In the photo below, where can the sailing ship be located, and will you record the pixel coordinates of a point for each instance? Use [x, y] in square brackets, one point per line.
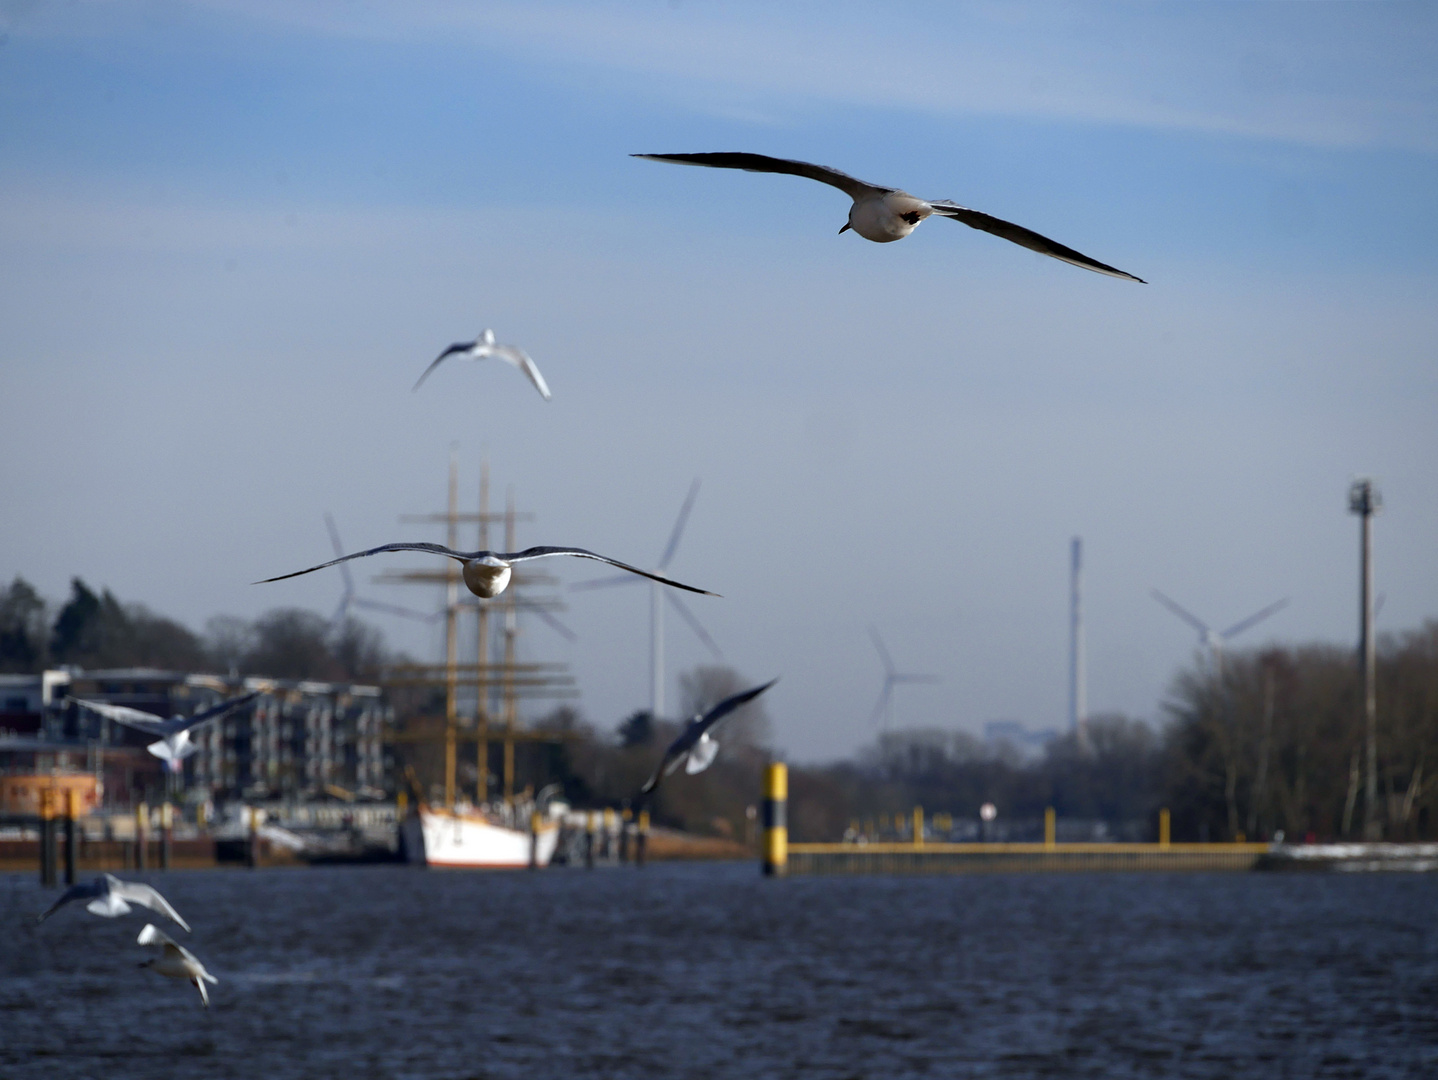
[501, 833]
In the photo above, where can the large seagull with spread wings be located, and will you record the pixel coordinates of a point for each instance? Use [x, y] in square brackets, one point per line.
[884, 214]
[487, 573]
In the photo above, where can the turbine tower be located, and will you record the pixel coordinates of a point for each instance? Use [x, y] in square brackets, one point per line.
[657, 595]
[1215, 640]
[1078, 689]
[892, 678]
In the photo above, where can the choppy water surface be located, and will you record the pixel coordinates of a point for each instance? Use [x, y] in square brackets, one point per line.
[709, 971]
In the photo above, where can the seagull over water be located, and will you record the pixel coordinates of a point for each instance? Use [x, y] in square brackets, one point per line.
[484, 347]
[694, 748]
[111, 897]
[176, 961]
[487, 573]
[885, 214]
[174, 733]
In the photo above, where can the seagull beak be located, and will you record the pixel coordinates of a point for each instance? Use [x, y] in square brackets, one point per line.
[844, 229]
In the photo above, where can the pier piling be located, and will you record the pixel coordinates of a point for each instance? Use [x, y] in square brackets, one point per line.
[72, 811]
[775, 819]
[1050, 829]
[1163, 828]
[641, 839]
[167, 833]
[47, 837]
[142, 835]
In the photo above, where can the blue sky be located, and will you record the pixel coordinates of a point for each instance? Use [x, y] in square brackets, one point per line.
[233, 234]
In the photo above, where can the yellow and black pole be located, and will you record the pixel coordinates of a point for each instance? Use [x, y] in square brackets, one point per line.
[776, 819]
[1050, 829]
[1163, 828]
[641, 840]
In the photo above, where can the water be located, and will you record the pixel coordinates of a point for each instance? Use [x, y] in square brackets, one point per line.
[709, 971]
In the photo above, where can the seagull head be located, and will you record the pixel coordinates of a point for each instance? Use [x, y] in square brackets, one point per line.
[486, 576]
[487, 338]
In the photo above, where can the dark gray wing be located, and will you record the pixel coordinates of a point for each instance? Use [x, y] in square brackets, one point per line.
[432, 549]
[728, 705]
[86, 890]
[1026, 238]
[850, 186]
[215, 711]
[581, 553]
[691, 733]
[457, 347]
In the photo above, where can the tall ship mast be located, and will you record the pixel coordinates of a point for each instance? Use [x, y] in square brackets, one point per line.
[481, 707]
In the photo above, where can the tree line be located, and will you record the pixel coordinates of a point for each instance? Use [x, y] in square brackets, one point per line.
[97, 631]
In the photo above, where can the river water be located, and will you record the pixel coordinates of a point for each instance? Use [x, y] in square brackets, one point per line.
[710, 971]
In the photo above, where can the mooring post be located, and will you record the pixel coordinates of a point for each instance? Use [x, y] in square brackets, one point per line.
[626, 826]
[167, 833]
[1050, 829]
[776, 819]
[1163, 824]
[142, 835]
[918, 826]
[534, 820]
[609, 834]
[641, 841]
[47, 837]
[589, 825]
[252, 842]
[72, 811]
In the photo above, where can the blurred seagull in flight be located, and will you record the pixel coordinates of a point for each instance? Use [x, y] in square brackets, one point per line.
[884, 214]
[111, 897]
[174, 733]
[487, 573]
[484, 347]
[694, 748]
[176, 961]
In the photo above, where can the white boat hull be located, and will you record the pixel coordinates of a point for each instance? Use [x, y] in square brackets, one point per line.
[458, 839]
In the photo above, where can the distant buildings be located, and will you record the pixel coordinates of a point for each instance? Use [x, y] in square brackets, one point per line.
[298, 739]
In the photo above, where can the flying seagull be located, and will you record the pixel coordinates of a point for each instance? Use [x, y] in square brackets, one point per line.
[486, 573]
[884, 214]
[694, 749]
[174, 733]
[176, 961]
[111, 897]
[484, 347]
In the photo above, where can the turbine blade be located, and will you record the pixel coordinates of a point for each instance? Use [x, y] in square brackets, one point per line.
[604, 583]
[1257, 617]
[555, 625]
[1187, 616]
[883, 652]
[339, 552]
[693, 621]
[679, 524]
[395, 609]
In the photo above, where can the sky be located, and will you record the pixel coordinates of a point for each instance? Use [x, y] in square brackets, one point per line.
[232, 236]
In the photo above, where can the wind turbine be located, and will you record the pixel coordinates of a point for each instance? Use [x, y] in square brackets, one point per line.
[657, 595]
[348, 597]
[1215, 640]
[892, 678]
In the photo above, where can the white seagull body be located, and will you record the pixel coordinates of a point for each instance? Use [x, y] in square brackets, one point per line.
[482, 348]
[487, 573]
[111, 898]
[695, 748]
[176, 961]
[885, 214]
[174, 733]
